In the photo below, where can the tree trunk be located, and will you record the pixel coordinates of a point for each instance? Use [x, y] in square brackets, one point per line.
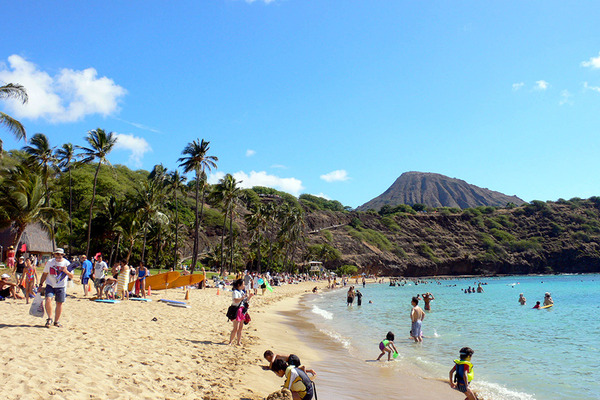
[89, 233]
[20, 231]
[176, 232]
[196, 228]
[117, 250]
[70, 213]
[223, 237]
[259, 255]
[144, 246]
[231, 238]
[130, 250]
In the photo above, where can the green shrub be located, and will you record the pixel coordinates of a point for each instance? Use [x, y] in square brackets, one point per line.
[373, 237]
[525, 245]
[426, 252]
[491, 223]
[390, 223]
[502, 236]
[327, 235]
[581, 237]
[399, 251]
[347, 270]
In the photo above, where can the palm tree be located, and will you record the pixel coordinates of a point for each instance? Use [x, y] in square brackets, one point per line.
[65, 156]
[257, 221]
[101, 144]
[176, 184]
[42, 155]
[22, 199]
[226, 192]
[197, 161]
[149, 202]
[18, 92]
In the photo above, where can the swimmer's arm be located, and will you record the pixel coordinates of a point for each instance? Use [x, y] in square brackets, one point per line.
[452, 385]
[43, 278]
[394, 347]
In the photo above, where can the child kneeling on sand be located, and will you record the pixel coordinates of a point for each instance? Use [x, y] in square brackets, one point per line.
[296, 380]
[463, 373]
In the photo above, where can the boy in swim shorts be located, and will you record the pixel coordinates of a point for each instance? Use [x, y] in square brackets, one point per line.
[463, 373]
[417, 315]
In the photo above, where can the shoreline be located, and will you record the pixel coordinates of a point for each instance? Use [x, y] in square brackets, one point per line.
[287, 332]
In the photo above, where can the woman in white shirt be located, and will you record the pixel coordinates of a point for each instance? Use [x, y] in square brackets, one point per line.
[239, 296]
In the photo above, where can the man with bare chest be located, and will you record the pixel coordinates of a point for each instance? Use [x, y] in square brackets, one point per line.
[417, 315]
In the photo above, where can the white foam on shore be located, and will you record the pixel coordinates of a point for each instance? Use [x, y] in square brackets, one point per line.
[345, 342]
[490, 390]
[323, 313]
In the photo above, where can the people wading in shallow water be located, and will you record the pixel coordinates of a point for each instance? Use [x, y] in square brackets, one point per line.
[522, 299]
[548, 299]
[427, 297]
[351, 295]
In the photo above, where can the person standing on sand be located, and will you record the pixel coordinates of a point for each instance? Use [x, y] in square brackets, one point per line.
[522, 299]
[427, 297]
[86, 273]
[10, 258]
[55, 276]
[239, 299]
[417, 315]
[99, 277]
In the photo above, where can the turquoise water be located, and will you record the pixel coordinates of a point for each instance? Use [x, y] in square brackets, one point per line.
[520, 353]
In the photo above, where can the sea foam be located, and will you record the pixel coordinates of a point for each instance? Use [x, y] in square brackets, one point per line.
[323, 313]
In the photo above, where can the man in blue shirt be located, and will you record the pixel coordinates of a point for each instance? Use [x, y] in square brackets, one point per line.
[86, 273]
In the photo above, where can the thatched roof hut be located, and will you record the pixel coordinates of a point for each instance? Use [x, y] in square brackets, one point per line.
[35, 237]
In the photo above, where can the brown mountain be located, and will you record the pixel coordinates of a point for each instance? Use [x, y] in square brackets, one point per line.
[437, 190]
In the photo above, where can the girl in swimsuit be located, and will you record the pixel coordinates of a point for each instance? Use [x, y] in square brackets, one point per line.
[31, 279]
[140, 284]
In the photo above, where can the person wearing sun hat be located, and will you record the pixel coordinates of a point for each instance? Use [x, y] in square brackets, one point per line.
[54, 276]
[8, 289]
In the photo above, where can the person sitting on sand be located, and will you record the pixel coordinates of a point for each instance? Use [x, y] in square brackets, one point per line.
[8, 289]
[463, 373]
[522, 299]
[296, 380]
[548, 299]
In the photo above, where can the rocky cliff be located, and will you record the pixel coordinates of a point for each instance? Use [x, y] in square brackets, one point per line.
[535, 238]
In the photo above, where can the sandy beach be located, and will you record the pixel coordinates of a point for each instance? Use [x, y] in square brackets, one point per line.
[117, 351]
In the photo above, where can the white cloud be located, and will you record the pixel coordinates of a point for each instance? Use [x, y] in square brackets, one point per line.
[541, 85]
[565, 98]
[138, 146]
[323, 195]
[593, 62]
[517, 86]
[594, 88]
[139, 126]
[250, 153]
[66, 97]
[336, 176]
[279, 166]
[289, 185]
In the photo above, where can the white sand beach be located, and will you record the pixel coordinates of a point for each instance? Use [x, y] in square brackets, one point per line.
[117, 351]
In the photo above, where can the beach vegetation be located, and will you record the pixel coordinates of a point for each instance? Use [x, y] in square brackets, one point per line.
[17, 92]
[348, 270]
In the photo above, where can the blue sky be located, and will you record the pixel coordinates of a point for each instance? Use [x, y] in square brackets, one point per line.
[334, 98]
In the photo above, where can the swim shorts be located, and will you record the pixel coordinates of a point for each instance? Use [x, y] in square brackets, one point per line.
[84, 281]
[59, 294]
[416, 329]
[461, 387]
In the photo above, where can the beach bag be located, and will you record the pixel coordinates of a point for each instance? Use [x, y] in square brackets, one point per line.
[37, 306]
[232, 312]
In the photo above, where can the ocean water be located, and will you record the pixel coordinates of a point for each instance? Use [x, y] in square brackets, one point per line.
[520, 353]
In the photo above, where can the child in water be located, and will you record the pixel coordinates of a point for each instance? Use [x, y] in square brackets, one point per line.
[386, 346]
[463, 373]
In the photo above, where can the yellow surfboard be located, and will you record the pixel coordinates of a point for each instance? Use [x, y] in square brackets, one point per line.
[548, 306]
[183, 280]
[157, 280]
